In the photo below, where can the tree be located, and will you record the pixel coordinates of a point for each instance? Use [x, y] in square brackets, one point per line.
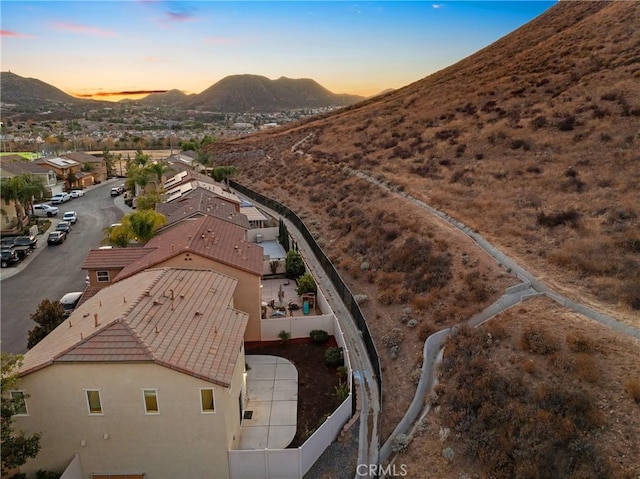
[109, 160]
[22, 189]
[142, 225]
[158, 169]
[48, 317]
[221, 173]
[141, 158]
[283, 235]
[148, 201]
[117, 236]
[16, 447]
[293, 264]
[306, 284]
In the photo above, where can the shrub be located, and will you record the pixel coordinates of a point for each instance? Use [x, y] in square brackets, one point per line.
[319, 336]
[552, 220]
[400, 443]
[306, 284]
[538, 341]
[341, 391]
[284, 336]
[294, 264]
[334, 356]
[273, 266]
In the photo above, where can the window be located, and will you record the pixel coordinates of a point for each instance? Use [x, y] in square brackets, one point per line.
[150, 397]
[18, 399]
[93, 401]
[206, 400]
[103, 276]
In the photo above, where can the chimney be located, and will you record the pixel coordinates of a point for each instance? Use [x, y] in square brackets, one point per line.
[95, 320]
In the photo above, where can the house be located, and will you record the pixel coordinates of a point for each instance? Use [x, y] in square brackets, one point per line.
[146, 379]
[185, 181]
[68, 171]
[198, 202]
[207, 243]
[16, 165]
[94, 166]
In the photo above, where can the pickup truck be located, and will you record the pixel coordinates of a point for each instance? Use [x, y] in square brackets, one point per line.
[22, 245]
[9, 257]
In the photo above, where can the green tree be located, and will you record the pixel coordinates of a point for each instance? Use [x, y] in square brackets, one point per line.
[158, 169]
[16, 447]
[48, 317]
[221, 173]
[306, 284]
[148, 201]
[22, 189]
[118, 236]
[109, 159]
[283, 235]
[142, 225]
[141, 158]
[293, 264]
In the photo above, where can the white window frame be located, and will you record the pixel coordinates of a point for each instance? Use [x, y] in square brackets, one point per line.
[86, 396]
[213, 397]
[144, 402]
[103, 274]
[24, 401]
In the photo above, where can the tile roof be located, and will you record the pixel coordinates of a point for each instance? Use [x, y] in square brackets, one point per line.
[177, 318]
[206, 236]
[198, 202]
[81, 157]
[113, 258]
[18, 166]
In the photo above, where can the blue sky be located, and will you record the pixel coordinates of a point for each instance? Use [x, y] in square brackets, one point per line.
[363, 48]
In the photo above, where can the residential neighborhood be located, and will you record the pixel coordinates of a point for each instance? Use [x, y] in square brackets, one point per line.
[148, 376]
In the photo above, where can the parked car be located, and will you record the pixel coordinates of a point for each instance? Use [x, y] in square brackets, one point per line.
[9, 257]
[21, 248]
[70, 301]
[63, 226]
[70, 216]
[26, 240]
[115, 191]
[76, 193]
[45, 210]
[60, 198]
[56, 237]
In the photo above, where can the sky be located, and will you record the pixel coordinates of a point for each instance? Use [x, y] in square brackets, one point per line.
[117, 49]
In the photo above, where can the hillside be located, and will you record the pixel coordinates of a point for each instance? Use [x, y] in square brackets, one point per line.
[532, 142]
[232, 94]
[242, 93]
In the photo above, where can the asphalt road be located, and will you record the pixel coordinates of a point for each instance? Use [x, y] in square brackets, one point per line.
[54, 270]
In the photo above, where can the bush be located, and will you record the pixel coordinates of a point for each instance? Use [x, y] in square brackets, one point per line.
[306, 284]
[284, 336]
[319, 336]
[538, 341]
[334, 356]
[294, 265]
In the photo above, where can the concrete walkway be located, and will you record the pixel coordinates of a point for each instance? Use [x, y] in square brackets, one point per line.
[271, 410]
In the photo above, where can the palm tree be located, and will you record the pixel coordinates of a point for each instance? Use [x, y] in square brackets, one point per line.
[158, 169]
[22, 189]
[143, 224]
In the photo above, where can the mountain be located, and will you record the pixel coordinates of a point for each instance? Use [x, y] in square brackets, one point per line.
[30, 93]
[242, 93]
[533, 143]
[233, 94]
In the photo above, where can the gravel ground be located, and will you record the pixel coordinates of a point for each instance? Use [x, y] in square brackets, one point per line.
[339, 460]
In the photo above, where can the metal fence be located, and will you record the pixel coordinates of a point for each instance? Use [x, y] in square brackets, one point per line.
[328, 268]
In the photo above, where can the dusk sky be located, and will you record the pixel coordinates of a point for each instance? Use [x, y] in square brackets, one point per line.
[88, 47]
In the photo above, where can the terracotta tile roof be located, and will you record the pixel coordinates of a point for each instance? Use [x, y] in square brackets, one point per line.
[81, 157]
[177, 318]
[113, 258]
[205, 236]
[20, 166]
[198, 202]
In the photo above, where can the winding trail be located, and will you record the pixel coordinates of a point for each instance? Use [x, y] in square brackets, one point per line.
[530, 287]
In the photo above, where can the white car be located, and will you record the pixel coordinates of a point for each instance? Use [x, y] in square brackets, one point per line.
[45, 210]
[60, 198]
[76, 193]
[70, 216]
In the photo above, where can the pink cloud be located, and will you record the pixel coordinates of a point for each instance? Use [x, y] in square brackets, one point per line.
[87, 29]
[9, 33]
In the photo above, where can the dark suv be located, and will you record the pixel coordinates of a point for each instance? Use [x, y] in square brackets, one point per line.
[9, 256]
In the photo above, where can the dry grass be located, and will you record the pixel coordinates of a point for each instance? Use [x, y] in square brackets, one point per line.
[533, 143]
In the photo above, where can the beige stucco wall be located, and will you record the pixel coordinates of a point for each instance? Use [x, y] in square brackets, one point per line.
[178, 442]
[247, 295]
[93, 277]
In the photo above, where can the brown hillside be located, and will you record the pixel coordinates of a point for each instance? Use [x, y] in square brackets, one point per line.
[532, 141]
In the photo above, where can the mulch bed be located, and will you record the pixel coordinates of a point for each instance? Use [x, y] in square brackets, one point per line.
[316, 381]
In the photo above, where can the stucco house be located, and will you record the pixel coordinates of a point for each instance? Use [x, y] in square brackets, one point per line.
[146, 379]
[199, 202]
[186, 181]
[68, 171]
[91, 165]
[16, 165]
[205, 242]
